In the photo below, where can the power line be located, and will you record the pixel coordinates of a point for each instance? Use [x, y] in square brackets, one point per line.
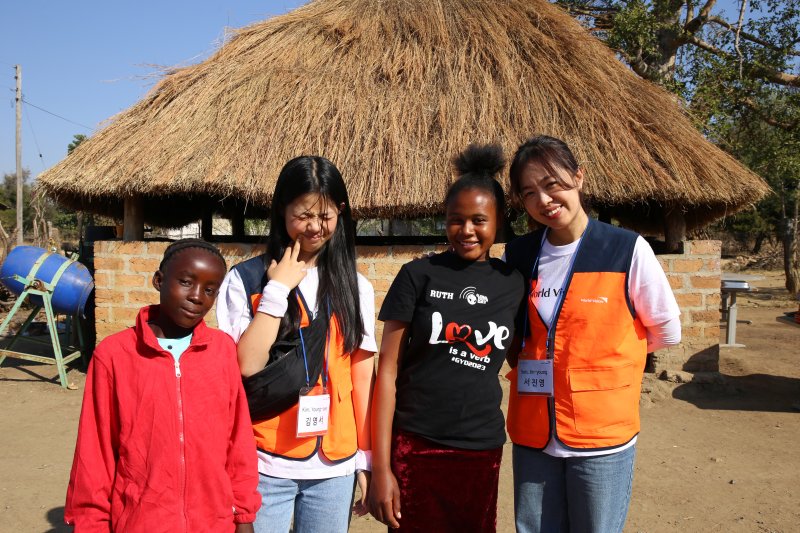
[35, 141]
[57, 115]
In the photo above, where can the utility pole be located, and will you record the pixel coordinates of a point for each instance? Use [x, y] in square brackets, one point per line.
[18, 77]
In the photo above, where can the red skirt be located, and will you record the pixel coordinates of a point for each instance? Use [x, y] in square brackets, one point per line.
[445, 489]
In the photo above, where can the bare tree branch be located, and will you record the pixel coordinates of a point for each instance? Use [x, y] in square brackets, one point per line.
[771, 75]
[752, 38]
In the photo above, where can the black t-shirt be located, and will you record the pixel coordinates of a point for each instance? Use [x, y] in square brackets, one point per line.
[461, 315]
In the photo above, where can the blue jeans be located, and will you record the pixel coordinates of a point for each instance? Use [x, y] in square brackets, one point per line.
[572, 494]
[318, 505]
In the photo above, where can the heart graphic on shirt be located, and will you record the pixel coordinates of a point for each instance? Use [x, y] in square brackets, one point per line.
[458, 333]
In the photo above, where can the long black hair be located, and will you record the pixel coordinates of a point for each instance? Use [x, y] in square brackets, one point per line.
[336, 261]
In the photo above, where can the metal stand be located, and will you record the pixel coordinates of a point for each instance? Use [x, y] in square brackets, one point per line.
[730, 310]
[37, 287]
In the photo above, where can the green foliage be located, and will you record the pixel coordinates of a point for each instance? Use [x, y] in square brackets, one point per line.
[77, 139]
[8, 196]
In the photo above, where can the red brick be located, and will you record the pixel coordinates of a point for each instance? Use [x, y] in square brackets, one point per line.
[689, 300]
[147, 265]
[706, 247]
[130, 280]
[125, 315]
[407, 253]
[705, 317]
[141, 297]
[691, 332]
[372, 251]
[154, 248]
[102, 314]
[109, 263]
[711, 332]
[121, 248]
[713, 299]
[675, 281]
[105, 296]
[383, 269]
[104, 330]
[363, 268]
[103, 279]
[382, 285]
[712, 265]
[687, 265]
[705, 282]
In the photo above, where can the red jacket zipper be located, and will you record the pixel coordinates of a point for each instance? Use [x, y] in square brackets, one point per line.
[182, 443]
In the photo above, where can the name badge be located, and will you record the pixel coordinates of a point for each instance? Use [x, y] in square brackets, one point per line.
[313, 412]
[535, 376]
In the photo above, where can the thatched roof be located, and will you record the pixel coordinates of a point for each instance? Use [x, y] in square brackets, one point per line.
[389, 90]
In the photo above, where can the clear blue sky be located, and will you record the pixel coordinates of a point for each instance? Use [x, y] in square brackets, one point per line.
[87, 60]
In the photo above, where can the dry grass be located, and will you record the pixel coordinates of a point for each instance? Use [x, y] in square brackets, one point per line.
[389, 90]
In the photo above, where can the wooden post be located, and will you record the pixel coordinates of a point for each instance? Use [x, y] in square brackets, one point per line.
[207, 225]
[237, 224]
[133, 221]
[20, 178]
[674, 228]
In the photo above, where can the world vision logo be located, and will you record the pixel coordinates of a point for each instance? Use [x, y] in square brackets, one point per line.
[597, 300]
[470, 294]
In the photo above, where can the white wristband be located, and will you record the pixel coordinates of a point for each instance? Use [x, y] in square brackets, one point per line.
[274, 299]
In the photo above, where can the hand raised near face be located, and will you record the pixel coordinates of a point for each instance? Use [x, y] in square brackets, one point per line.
[290, 271]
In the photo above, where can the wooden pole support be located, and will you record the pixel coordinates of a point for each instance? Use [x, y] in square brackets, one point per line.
[133, 222]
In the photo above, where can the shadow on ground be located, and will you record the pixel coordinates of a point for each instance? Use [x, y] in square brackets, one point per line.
[753, 392]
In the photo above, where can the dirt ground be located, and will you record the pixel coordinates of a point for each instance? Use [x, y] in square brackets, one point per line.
[722, 456]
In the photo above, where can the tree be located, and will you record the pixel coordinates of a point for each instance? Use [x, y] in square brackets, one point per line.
[737, 77]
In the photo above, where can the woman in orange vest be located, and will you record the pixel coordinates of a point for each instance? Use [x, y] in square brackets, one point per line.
[597, 302]
[309, 454]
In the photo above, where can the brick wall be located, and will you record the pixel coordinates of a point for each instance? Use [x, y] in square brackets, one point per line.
[123, 273]
[695, 280]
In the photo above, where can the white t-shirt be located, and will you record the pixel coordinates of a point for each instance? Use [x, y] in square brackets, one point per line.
[650, 294]
[233, 317]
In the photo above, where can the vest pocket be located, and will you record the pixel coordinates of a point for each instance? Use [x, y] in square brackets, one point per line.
[601, 397]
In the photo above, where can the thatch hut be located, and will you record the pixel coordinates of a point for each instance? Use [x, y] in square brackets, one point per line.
[390, 90]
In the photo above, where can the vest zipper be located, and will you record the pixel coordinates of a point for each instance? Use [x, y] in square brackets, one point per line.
[182, 444]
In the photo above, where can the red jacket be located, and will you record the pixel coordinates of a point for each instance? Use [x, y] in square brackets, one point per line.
[163, 446]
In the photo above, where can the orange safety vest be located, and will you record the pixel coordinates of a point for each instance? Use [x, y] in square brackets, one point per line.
[599, 348]
[278, 435]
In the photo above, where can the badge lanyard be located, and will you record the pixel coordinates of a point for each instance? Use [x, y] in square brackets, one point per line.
[535, 376]
[313, 411]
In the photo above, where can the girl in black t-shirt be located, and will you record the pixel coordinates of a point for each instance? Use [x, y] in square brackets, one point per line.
[437, 427]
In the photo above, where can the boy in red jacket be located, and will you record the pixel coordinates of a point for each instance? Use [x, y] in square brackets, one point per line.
[164, 440]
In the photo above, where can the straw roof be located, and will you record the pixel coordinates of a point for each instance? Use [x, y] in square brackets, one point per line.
[390, 90]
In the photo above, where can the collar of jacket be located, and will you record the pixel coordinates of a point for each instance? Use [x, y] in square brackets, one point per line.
[201, 335]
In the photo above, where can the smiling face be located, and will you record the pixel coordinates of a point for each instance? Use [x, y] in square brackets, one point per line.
[188, 286]
[554, 201]
[311, 218]
[471, 223]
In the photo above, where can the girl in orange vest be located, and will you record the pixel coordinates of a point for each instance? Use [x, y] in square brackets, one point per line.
[597, 302]
[449, 319]
[309, 454]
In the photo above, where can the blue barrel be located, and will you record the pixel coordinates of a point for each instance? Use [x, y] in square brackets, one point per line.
[71, 290]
